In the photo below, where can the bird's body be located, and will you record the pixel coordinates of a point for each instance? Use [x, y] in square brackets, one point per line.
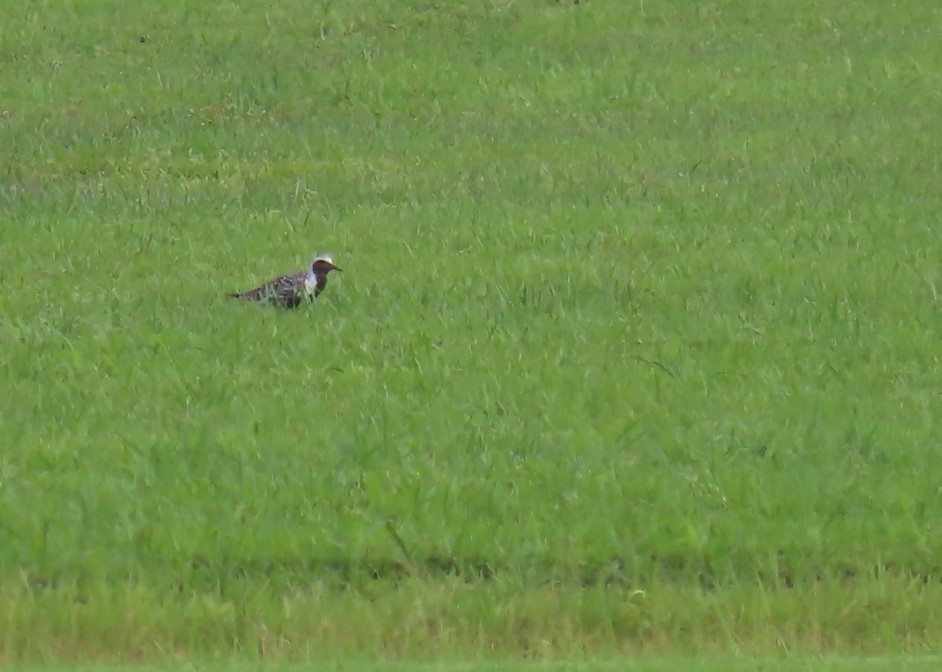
[289, 291]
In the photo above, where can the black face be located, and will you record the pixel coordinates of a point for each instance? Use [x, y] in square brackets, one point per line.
[323, 267]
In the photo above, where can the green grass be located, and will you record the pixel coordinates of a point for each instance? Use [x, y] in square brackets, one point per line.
[725, 664]
[639, 324]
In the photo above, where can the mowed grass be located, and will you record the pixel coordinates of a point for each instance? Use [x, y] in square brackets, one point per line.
[635, 348]
[711, 664]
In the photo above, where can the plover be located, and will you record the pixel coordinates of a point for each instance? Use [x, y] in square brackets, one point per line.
[289, 290]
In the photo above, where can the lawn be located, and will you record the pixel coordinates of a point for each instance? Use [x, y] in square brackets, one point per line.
[635, 350]
[723, 664]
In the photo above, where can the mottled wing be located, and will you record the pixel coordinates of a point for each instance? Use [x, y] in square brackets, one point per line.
[287, 291]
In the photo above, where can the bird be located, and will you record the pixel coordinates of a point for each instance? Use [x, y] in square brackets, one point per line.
[288, 291]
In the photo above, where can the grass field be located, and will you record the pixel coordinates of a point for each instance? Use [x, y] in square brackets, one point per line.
[636, 348]
[723, 664]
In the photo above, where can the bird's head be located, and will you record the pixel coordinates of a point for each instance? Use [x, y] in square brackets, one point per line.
[322, 265]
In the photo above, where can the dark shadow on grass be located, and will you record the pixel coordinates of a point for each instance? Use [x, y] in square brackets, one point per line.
[203, 574]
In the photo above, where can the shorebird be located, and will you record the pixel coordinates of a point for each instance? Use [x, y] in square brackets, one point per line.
[288, 291]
